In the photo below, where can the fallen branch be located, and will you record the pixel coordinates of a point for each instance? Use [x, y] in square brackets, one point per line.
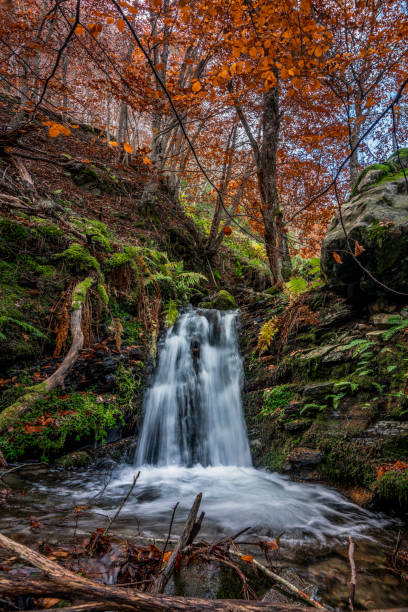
[124, 500]
[163, 578]
[10, 414]
[64, 583]
[289, 586]
[353, 574]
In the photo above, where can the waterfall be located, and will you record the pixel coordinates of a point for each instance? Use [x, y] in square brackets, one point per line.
[193, 410]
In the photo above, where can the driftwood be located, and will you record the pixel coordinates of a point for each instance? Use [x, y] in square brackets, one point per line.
[61, 582]
[185, 538]
[276, 578]
[10, 414]
[353, 574]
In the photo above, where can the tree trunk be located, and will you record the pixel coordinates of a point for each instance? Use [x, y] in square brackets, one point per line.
[278, 255]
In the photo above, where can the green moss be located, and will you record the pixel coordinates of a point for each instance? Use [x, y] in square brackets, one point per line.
[79, 293]
[102, 293]
[53, 421]
[79, 259]
[392, 487]
[222, 301]
[116, 260]
[386, 169]
[12, 231]
[276, 399]
[96, 231]
[388, 245]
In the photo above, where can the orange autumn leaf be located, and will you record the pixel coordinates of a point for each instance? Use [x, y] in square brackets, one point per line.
[167, 555]
[318, 52]
[113, 143]
[110, 20]
[227, 230]
[358, 248]
[337, 258]
[128, 148]
[247, 558]
[79, 30]
[120, 24]
[147, 161]
[196, 86]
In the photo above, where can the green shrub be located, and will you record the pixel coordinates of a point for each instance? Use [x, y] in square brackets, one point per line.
[392, 487]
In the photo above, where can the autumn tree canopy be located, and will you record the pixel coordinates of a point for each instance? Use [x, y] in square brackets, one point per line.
[251, 106]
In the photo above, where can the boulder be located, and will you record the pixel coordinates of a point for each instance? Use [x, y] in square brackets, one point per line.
[376, 217]
[303, 456]
[222, 300]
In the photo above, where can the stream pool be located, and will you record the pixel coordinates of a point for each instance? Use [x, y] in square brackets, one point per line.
[314, 521]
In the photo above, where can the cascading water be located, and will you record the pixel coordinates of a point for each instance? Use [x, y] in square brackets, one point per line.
[193, 412]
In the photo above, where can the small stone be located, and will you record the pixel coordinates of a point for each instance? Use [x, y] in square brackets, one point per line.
[374, 335]
[317, 389]
[303, 456]
[382, 319]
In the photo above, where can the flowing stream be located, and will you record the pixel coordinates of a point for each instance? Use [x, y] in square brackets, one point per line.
[193, 439]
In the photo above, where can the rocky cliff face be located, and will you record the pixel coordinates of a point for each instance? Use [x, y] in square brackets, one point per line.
[333, 404]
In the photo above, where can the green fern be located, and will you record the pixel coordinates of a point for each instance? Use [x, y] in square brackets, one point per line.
[4, 320]
[296, 286]
[397, 326]
[171, 313]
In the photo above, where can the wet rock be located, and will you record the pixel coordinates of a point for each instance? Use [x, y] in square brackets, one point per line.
[304, 457]
[297, 425]
[375, 335]
[321, 351]
[382, 319]
[74, 461]
[222, 300]
[388, 428]
[317, 390]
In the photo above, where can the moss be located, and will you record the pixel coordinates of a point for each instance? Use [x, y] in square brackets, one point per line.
[276, 399]
[222, 301]
[12, 231]
[96, 231]
[386, 169]
[116, 260]
[388, 245]
[78, 258]
[103, 294]
[392, 487]
[401, 154]
[79, 293]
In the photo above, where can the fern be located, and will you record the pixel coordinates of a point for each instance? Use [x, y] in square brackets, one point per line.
[397, 326]
[266, 335]
[171, 313]
[4, 320]
[296, 286]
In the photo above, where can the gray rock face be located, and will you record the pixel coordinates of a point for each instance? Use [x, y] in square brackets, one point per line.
[377, 218]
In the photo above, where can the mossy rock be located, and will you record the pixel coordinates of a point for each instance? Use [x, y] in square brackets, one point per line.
[375, 218]
[223, 300]
[392, 489]
[74, 461]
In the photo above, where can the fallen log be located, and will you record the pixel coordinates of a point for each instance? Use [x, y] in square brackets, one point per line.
[61, 582]
[10, 414]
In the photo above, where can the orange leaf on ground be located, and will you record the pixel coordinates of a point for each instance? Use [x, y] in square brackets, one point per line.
[247, 558]
[337, 258]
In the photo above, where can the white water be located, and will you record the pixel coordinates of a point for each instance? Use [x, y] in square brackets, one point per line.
[193, 411]
[194, 439]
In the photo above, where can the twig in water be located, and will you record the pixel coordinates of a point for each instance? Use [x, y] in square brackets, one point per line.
[124, 500]
[353, 574]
